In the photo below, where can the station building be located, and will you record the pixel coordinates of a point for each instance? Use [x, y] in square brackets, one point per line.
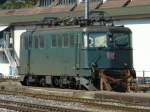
[130, 13]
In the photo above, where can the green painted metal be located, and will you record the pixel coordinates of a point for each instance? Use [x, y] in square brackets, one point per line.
[70, 61]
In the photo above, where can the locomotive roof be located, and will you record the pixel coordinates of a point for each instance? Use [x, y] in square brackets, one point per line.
[83, 29]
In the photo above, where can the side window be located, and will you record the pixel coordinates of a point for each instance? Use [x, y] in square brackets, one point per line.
[41, 41]
[33, 41]
[54, 41]
[26, 42]
[36, 41]
[66, 40]
[59, 37]
[72, 40]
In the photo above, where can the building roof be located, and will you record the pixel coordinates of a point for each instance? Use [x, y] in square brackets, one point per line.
[139, 2]
[34, 14]
[114, 3]
[119, 9]
[128, 12]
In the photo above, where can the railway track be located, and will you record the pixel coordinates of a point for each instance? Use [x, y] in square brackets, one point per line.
[103, 102]
[28, 107]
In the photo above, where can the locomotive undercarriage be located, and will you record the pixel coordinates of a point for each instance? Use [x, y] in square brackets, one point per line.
[59, 82]
[120, 80]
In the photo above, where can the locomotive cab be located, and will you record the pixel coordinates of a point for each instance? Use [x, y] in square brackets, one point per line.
[108, 52]
[109, 49]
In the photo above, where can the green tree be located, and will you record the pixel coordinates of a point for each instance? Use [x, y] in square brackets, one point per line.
[2, 1]
[12, 4]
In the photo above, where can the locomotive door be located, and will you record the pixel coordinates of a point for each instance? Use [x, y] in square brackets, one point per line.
[25, 54]
[28, 52]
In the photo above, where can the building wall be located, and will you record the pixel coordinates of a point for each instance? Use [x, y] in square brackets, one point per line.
[17, 33]
[4, 64]
[141, 44]
[46, 3]
[4, 69]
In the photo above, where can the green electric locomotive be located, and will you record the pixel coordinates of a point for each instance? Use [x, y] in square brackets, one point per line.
[92, 57]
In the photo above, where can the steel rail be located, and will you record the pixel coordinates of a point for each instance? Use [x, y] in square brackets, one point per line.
[28, 107]
[102, 102]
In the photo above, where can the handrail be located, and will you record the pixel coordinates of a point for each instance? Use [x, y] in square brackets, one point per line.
[1, 43]
[16, 58]
[7, 49]
[13, 61]
[8, 54]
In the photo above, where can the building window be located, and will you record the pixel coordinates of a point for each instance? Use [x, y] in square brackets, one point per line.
[68, 2]
[96, 0]
[4, 58]
[93, 1]
[44, 3]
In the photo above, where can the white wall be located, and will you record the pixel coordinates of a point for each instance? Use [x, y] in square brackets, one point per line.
[17, 33]
[105, 1]
[4, 69]
[141, 44]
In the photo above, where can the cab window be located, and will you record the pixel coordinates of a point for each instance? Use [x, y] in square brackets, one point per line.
[95, 39]
[119, 40]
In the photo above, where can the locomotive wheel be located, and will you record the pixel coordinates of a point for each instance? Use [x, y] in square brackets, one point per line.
[26, 81]
[55, 81]
[104, 83]
[134, 86]
[130, 83]
[42, 82]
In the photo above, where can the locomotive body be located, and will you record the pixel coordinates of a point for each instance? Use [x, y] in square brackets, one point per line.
[77, 57]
